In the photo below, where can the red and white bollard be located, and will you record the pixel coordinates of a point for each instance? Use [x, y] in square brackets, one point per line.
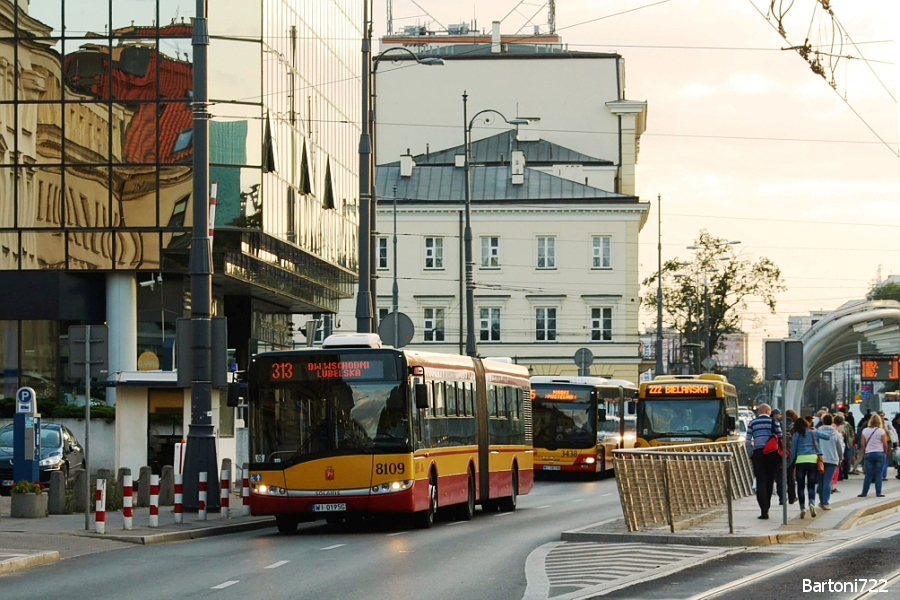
[100, 517]
[179, 498]
[225, 491]
[127, 497]
[154, 501]
[245, 494]
[201, 497]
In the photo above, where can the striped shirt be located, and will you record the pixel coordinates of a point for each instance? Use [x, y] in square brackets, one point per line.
[760, 430]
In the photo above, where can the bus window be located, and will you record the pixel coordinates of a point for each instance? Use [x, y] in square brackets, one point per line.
[451, 399]
[439, 399]
[492, 400]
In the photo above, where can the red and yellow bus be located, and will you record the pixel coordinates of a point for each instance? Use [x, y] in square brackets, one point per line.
[353, 429]
[681, 409]
[571, 415]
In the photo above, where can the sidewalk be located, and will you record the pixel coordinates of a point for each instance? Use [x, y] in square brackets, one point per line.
[846, 511]
[29, 542]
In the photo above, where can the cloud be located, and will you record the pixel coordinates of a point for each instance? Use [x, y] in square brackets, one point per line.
[750, 83]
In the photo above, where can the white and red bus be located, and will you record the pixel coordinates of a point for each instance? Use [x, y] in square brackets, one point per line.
[353, 429]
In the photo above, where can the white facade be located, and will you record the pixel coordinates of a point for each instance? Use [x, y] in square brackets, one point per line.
[732, 350]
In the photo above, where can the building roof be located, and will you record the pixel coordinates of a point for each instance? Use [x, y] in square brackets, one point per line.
[497, 149]
[483, 51]
[445, 183]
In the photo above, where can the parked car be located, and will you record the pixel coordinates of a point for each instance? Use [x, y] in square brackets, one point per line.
[60, 451]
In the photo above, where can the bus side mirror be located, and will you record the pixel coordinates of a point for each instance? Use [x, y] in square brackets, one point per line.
[235, 392]
[421, 392]
[601, 415]
[730, 423]
[632, 408]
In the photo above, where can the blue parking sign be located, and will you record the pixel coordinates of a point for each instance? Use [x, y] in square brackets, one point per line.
[25, 398]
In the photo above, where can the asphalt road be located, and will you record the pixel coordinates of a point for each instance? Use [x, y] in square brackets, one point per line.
[482, 559]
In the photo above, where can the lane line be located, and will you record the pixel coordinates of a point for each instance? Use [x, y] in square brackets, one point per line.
[503, 514]
[333, 547]
[457, 523]
[602, 495]
[579, 500]
[397, 533]
[544, 506]
[278, 564]
[223, 585]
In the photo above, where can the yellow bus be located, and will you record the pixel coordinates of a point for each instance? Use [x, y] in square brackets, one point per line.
[354, 429]
[572, 416]
[680, 409]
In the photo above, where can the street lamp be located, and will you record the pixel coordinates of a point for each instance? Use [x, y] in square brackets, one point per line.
[659, 294]
[365, 308]
[467, 235]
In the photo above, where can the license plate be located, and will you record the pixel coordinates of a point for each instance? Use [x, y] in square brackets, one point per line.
[551, 467]
[333, 507]
[7, 482]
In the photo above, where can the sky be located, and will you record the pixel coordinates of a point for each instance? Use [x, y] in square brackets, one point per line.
[743, 139]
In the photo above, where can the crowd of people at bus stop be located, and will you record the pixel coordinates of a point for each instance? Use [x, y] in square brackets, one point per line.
[822, 449]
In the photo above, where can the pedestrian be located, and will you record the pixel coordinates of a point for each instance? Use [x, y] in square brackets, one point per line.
[892, 439]
[765, 465]
[791, 488]
[830, 445]
[859, 456]
[840, 425]
[804, 456]
[874, 442]
[848, 416]
[849, 444]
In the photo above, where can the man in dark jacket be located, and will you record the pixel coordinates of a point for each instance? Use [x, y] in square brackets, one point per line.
[765, 465]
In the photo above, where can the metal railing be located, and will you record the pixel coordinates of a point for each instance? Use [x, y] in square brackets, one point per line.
[669, 484]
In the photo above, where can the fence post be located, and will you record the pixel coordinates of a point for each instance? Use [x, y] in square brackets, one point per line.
[154, 500]
[201, 497]
[245, 491]
[100, 517]
[127, 498]
[667, 495]
[728, 494]
[225, 492]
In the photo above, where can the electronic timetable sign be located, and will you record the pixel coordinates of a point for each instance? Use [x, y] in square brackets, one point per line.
[662, 390]
[879, 367]
[555, 393]
[345, 367]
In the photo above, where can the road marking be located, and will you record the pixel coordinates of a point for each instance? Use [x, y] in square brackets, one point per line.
[223, 585]
[333, 547]
[544, 506]
[503, 514]
[456, 523]
[397, 533]
[579, 500]
[602, 495]
[278, 564]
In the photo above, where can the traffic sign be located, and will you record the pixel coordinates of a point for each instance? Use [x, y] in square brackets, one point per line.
[405, 329]
[26, 401]
[584, 358]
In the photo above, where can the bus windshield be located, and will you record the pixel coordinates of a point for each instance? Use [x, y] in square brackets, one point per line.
[682, 417]
[564, 424]
[301, 422]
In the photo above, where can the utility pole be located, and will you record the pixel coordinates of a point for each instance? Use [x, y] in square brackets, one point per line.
[659, 294]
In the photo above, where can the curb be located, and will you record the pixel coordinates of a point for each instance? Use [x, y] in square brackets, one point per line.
[868, 513]
[32, 560]
[689, 540]
[180, 536]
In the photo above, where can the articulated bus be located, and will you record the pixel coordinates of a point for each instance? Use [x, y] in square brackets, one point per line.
[354, 429]
[681, 409]
[572, 416]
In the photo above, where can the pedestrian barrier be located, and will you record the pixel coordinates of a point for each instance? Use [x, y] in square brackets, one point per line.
[100, 508]
[154, 500]
[201, 497]
[670, 484]
[179, 498]
[225, 491]
[127, 499]
[245, 494]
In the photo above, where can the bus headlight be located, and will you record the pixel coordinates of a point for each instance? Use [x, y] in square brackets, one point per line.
[269, 490]
[392, 486]
[590, 460]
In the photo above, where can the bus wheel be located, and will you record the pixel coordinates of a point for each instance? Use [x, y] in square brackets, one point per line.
[508, 503]
[286, 524]
[425, 519]
[467, 510]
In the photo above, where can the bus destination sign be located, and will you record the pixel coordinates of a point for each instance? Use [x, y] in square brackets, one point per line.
[879, 367]
[560, 394]
[319, 368]
[662, 390]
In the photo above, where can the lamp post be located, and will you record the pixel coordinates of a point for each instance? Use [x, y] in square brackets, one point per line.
[659, 294]
[365, 298]
[467, 235]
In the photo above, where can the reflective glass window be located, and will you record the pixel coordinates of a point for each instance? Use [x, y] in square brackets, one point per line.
[90, 250]
[137, 250]
[9, 254]
[175, 188]
[40, 197]
[86, 69]
[39, 132]
[9, 355]
[39, 357]
[180, 12]
[7, 196]
[133, 17]
[86, 133]
[134, 70]
[234, 70]
[45, 19]
[233, 19]
[87, 197]
[174, 119]
[134, 196]
[43, 250]
[83, 17]
[240, 127]
[7, 139]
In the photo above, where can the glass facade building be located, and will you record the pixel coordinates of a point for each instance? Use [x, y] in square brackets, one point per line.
[96, 152]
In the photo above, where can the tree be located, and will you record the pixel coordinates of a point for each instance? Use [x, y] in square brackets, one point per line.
[747, 382]
[716, 276]
[884, 291]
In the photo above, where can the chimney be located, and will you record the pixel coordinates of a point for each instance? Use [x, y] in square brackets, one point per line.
[406, 165]
[517, 167]
[495, 38]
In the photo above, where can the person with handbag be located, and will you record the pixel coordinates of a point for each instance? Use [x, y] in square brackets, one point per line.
[874, 443]
[763, 438]
[804, 458]
[831, 448]
[892, 442]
